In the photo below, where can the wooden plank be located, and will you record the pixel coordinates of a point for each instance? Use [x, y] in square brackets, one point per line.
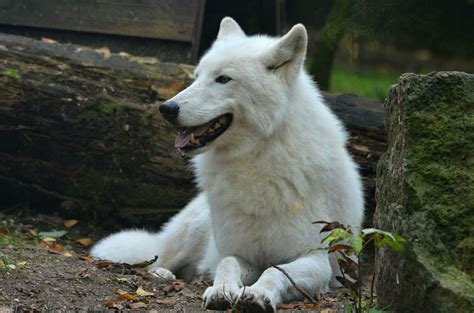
[197, 31]
[163, 19]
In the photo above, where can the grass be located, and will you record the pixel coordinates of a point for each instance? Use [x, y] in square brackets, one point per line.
[370, 84]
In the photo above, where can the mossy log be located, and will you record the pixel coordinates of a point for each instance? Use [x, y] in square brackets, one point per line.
[79, 131]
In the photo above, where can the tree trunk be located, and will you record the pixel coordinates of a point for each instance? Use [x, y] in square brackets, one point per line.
[79, 130]
[322, 58]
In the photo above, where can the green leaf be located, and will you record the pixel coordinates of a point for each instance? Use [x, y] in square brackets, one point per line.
[356, 242]
[383, 238]
[53, 233]
[336, 235]
[372, 231]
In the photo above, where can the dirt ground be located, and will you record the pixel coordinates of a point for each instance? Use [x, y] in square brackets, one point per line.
[39, 272]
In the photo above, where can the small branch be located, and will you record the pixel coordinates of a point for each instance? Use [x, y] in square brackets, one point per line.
[373, 282]
[300, 290]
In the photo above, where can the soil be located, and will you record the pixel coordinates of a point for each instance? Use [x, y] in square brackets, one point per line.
[40, 274]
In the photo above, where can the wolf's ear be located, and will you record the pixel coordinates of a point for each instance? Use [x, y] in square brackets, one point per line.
[229, 27]
[288, 54]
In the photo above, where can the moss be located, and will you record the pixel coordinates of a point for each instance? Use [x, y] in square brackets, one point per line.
[425, 192]
[12, 73]
[109, 107]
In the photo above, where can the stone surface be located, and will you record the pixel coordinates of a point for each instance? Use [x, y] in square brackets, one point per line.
[425, 192]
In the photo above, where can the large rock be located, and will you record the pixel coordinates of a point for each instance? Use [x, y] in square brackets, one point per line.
[425, 192]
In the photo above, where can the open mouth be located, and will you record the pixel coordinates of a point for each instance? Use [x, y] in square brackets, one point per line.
[198, 136]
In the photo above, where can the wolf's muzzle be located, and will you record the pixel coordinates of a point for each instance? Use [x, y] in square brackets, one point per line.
[169, 110]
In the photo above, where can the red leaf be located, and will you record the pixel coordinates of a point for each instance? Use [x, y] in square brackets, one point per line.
[330, 225]
[336, 248]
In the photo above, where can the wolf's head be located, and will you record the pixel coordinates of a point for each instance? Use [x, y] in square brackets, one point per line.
[241, 92]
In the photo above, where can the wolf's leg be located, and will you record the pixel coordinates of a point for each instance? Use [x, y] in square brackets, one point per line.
[232, 273]
[178, 245]
[312, 273]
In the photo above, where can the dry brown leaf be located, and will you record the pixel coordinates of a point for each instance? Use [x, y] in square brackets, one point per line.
[87, 258]
[104, 264]
[112, 304]
[70, 223]
[123, 295]
[174, 286]
[137, 305]
[85, 242]
[4, 232]
[48, 240]
[122, 279]
[32, 232]
[166, 301]
[141, 292]
[105, 52]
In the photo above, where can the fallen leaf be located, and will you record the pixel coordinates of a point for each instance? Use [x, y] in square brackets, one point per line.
[48, 240]
[70, 223]
[53, 233]
[67, 254]
[141, 292]
[48, 40]
[104, 51]
[11, 266]
[137, 305]
[174, 286]
[32, 232]
[167, 301]
[56, 248]
[104, 264]
[122, 279]
[85, 242]
[112, 304]
[4, 232]
[123, 295]
[87, 257]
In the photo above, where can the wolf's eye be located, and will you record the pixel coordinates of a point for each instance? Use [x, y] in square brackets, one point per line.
[223, 79]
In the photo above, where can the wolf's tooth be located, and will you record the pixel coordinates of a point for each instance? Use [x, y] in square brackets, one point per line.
[222, 120]
[217, 125]
[193, 140]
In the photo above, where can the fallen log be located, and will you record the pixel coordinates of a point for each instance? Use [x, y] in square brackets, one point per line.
[79, 131]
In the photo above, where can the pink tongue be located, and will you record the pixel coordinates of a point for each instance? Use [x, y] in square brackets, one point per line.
[183, 139]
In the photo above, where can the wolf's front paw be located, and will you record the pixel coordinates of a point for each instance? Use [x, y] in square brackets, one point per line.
[255, 299]
[162, 273]
[220, 297]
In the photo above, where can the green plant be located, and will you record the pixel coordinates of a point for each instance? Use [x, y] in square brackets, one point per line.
[349, 245]
[12, 73]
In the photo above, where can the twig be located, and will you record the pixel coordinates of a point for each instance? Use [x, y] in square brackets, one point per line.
[301, 290]
[372, 284]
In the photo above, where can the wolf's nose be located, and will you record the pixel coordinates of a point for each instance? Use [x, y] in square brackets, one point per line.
[170, 110]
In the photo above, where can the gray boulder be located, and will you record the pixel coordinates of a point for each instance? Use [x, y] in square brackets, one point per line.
[425, 192]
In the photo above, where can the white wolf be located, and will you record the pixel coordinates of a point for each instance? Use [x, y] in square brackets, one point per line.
[269, 159]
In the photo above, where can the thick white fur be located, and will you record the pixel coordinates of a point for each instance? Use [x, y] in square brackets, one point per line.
[281, 165]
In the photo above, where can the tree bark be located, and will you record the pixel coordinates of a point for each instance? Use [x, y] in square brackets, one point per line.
[322, 58]
[79, 131]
